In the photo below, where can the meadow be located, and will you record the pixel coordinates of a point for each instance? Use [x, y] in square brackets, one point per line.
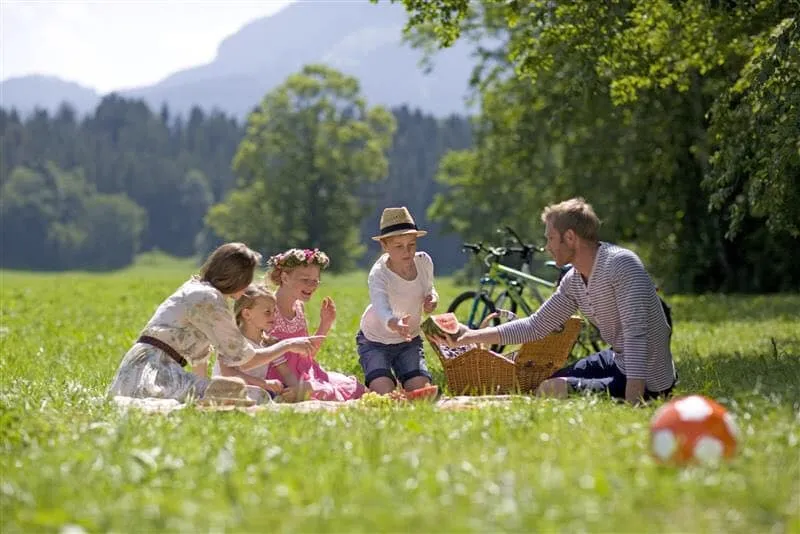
[70, 458]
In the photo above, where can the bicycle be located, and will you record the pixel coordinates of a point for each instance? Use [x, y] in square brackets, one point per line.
[512, 282]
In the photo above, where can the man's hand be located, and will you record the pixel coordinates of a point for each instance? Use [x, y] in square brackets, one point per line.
[431, 301]
[400, 326]
[454, 340]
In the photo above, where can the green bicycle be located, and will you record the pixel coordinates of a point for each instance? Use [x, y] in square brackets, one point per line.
[502, 290]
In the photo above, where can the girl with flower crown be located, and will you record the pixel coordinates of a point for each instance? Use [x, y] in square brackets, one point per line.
[296, 274]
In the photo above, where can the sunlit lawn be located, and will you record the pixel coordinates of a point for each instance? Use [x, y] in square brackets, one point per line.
[69, 457]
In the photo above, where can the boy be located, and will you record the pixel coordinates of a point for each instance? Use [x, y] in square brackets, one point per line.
[400, 290]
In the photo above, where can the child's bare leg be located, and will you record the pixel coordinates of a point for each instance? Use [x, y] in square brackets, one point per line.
[382, 385]
[416, 382]
[288, 377]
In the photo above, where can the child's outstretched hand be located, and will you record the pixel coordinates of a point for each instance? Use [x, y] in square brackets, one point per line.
[327, 314]
[400, 326]
[431, 301]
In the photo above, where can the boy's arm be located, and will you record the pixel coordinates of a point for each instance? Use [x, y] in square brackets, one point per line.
[431, 295]
[379, 295]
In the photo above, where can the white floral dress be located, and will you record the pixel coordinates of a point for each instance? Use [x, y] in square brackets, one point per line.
[190, 321]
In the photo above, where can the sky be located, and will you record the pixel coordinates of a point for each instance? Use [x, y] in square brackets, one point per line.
[116, 44]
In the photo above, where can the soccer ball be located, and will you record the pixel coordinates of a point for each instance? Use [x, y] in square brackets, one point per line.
[692, 429]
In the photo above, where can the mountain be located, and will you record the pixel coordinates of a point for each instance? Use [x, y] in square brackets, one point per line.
[28, 92]
[359, 38]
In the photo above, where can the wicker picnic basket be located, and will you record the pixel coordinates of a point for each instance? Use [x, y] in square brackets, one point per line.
[480, 371]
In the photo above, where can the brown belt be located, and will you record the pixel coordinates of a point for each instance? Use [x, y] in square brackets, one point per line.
[157, 343]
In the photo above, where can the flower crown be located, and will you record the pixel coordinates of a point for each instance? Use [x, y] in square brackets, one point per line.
[295, 257]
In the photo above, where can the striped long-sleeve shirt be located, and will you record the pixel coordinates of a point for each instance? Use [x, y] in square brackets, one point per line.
[620, 299]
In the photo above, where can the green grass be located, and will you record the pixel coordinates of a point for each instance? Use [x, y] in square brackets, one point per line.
[71, 458]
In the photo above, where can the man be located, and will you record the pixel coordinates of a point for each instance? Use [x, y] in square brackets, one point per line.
[611, 287]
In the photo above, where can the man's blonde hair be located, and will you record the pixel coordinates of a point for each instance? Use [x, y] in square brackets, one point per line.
[574, 214]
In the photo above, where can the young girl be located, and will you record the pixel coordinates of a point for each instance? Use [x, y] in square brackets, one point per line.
[183, 328]
[296, 273]
[254, 312]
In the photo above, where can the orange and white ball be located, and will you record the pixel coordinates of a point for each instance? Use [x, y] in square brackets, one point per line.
[692, 429]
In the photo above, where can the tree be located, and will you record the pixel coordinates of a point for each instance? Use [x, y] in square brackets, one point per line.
[620, 102]
[169, 164]
[308, 148]
[114, 225]
[54, 219]
[27, 208]
[637, 47]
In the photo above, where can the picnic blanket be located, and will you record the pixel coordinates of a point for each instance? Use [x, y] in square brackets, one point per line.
[151, 405]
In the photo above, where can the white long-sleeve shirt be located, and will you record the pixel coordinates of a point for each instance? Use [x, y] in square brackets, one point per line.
[393, 296]
[620, 298]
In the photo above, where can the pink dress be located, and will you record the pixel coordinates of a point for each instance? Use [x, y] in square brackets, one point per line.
[329, 386]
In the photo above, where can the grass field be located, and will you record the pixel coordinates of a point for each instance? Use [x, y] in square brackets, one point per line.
[71, 458]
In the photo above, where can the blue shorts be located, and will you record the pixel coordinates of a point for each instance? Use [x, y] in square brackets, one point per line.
[599, 373]
[406, 360]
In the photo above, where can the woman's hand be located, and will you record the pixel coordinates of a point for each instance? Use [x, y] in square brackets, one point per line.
[302, 345]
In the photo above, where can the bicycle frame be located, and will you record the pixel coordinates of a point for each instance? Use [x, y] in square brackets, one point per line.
[511, 281]
[499, 276]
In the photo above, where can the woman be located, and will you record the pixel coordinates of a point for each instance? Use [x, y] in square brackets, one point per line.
[186, 325]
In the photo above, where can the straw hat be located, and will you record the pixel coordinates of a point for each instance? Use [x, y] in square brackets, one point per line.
[397, 221]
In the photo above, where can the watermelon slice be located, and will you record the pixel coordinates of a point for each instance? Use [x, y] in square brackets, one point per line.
[444, 325]
[426, 392]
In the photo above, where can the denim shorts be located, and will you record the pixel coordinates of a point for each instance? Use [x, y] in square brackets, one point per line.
[406, 360]
[599, 373]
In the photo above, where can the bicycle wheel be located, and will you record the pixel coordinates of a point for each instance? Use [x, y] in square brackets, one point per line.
[471, 308]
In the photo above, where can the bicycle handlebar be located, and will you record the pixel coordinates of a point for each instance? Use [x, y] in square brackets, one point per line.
[527, 248]
[492, 252]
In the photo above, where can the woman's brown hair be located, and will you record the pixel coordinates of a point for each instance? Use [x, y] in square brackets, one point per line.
[230, 268]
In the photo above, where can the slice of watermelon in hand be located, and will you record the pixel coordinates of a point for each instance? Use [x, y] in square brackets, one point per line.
[444, 325]
[429, 392]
